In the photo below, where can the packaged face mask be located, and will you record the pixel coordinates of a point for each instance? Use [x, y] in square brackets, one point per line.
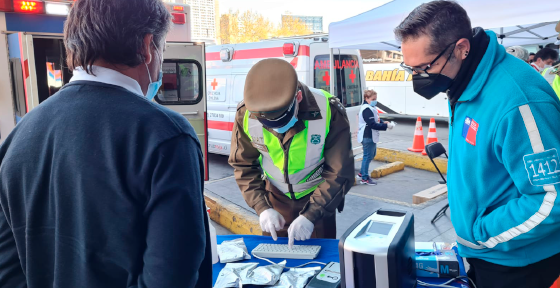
[264, 275]
[232, 251]
[230, 276]
[296, 277]
[238, 274]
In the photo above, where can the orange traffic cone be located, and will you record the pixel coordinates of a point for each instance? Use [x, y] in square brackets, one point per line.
[418, 142]
[432, 135]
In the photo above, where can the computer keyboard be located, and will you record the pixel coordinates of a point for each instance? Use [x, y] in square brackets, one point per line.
[283, 251]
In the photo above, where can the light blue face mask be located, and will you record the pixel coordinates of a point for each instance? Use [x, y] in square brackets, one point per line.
[287, 126]
[154, 86]
[373, 103]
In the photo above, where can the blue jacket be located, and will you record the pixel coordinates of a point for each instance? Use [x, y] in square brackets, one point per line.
[504, 170]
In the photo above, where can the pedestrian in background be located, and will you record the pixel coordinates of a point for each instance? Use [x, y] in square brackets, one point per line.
[544, 59]
[531, 57]
[369, 126]
[100, 186]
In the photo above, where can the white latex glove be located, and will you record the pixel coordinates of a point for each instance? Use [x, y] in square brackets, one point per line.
[271, 221]
[301, 229]
[391, 125]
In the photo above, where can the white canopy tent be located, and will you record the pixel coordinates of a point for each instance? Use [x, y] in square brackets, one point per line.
[516, 22]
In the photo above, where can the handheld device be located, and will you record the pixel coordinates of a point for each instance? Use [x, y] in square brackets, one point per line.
[329, 277]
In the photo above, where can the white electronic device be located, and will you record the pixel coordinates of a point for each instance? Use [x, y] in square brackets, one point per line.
[283, 251]
[378, 251]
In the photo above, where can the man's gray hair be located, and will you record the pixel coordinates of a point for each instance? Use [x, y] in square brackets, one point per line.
[113, 30]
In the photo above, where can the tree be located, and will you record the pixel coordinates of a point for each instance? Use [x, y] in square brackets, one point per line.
[291, 26]
[254, 27]
[249, 26]
[229, 28]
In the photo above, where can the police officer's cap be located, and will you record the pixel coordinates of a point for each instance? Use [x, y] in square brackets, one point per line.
[270, 90]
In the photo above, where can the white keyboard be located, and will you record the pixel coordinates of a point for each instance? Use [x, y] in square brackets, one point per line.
[283, 251]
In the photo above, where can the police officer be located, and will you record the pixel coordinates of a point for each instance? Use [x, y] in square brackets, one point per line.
[292, 153]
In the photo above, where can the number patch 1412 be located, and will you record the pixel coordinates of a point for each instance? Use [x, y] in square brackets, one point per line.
[543, 168]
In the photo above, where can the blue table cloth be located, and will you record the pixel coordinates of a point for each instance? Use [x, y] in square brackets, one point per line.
[328, 253]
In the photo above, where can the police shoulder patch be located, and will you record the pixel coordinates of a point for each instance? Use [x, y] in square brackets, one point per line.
[337, 105]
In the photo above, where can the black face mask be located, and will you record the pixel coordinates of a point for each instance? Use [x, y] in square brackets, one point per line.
[429, 87]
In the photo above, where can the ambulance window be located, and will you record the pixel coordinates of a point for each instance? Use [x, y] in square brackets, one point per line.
[348, 83]
[50, 62]
[382, 56]
[181, 84]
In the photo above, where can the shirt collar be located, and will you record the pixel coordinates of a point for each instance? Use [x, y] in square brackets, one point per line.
[107, 76]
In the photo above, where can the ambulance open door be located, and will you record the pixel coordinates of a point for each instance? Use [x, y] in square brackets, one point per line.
[184, 87]
[37, 67]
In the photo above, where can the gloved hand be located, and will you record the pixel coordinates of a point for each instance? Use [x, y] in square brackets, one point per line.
[391, 125]
[271, 221]
[301, 229]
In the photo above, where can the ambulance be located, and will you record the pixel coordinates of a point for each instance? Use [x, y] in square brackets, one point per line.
[227, 67]
[33, 63]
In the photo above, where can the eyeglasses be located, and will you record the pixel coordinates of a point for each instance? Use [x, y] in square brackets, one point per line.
[424, 72]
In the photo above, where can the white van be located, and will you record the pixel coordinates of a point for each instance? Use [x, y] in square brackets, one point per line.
[227, 67]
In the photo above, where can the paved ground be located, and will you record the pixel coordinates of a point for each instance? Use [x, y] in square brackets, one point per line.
[392, 192]
[400, 138]
[219, 229]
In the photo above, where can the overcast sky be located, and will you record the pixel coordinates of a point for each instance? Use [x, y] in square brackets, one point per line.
[331, 10]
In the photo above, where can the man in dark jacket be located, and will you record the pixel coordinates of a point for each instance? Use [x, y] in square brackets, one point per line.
[100, 187]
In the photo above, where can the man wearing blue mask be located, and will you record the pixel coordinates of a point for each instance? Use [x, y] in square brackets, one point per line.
[299, 137]
[99, 185]
[503, 172]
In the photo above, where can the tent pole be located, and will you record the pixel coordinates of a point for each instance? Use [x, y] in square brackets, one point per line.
[331, 72]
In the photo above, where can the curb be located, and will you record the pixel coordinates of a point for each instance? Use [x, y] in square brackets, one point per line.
[429, 194]
[387, 169]
[410, 159]
[232, 217]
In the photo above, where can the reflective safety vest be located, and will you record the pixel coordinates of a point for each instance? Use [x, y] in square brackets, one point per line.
[556, 86]
[549, 77]
[553, 79]
[297, 169]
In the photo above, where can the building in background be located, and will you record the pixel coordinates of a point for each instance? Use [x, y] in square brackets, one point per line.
[203, 17]
[314, 23]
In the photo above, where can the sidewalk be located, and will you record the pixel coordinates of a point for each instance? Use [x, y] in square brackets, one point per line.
[400, 138]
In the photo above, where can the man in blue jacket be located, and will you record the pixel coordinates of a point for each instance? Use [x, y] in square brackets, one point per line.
[504, 169]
